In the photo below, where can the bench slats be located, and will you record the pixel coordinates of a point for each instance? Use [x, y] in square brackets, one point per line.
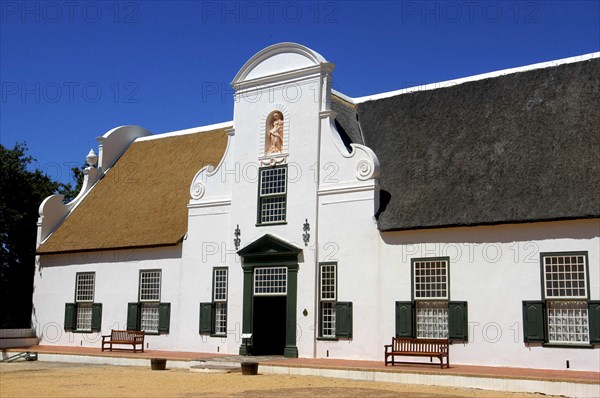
[124, 337]
[402, 346]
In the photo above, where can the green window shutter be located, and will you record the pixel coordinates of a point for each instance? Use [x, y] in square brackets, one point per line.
[458, 323]
[164, 317]
[594, 315]
[533, 321]
[96, 317]
[206, 318]
[70, 316]
[133, 316]
[404, 318]
[343, 319]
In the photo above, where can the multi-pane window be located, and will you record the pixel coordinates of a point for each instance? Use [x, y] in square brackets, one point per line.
[84, 291]
[149, 286]
[568, 322]
[84, 297]
[149, 298]
[149, 313]
[335, 317]
[272, 195]
[220, 300]
[432, 319]
[565, 287]
[431, 314]
[430, 279]
[565, 276]
[149, 319]
[270, 281]
[213, 315]
[83, 315]
[430, 289]
[328, 319]
[566, 315]
[327, 277]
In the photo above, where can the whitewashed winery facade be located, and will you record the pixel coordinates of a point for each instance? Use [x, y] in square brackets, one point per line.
[322, 225]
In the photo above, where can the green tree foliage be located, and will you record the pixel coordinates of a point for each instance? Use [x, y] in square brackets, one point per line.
[21, 192]
[71, 193]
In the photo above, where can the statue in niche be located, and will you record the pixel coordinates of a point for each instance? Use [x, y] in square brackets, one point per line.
[276, 134]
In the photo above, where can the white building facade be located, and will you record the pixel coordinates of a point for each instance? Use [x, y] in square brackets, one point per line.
[294, 236]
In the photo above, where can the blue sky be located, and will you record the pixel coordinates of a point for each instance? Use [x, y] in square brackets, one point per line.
[70, 71]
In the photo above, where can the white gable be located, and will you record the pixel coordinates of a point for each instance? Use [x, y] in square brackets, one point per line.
[278, 59]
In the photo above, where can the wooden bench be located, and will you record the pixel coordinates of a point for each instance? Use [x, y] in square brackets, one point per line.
[402, 346]
[127, 337]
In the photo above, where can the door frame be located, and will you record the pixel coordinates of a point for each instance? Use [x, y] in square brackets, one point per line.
[270, 251]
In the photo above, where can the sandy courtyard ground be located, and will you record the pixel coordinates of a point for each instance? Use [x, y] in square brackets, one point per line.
[48, 379]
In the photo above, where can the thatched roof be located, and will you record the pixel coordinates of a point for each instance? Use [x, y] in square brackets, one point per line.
[522, 147]
[346, 120]
[141, 201]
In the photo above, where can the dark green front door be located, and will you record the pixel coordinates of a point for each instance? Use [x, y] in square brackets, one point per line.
[269, 325]
[270, 319]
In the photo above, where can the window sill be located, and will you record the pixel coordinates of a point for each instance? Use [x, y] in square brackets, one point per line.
[271, 223]
[327, 339]
[213, 334]
[83, 331]
[564, 345]
[153, 333]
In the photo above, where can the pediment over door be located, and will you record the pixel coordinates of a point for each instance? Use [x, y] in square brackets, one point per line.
[269, 248]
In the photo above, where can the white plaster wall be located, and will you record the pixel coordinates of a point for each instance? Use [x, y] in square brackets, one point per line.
[116, 284]
[348, 236]
[212, 220]
[209, 244]
[301, 190]
[316, 160]
[299, 97]
[494, 269]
